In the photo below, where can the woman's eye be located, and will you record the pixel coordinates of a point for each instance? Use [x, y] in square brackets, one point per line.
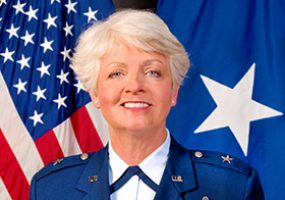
[153, 73]
[115, 75]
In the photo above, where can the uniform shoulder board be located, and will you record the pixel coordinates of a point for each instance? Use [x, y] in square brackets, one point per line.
[62, 163]
[221, 160]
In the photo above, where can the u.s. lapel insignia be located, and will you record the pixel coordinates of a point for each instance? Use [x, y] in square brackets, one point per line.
[176, 178]
[93, 179]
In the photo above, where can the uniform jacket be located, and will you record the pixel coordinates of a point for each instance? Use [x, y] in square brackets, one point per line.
[189, 175]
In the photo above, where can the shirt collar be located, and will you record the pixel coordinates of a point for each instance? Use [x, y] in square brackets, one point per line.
[153, 165]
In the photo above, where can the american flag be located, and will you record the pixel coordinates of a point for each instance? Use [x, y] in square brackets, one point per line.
[45, 113]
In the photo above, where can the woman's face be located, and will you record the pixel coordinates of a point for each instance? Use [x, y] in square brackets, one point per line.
[134, 90]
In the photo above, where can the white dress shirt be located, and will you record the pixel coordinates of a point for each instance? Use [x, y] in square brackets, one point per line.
[135, 189]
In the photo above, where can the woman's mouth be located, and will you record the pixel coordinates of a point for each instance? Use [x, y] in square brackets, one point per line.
[136, 105]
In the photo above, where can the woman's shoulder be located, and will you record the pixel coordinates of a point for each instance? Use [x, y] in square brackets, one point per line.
[70, 164]
[207, 161]
[60, 164]
[227, 162]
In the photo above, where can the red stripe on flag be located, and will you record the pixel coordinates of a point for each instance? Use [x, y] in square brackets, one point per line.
[85, 131]
[11, 173]
[49, 147]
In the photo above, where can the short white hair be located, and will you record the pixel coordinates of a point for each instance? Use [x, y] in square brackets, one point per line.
[133, 28]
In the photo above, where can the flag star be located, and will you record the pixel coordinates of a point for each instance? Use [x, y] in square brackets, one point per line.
[227, 159]
[65, 53]
[52, 1]
[67, 29]
[50, 21]
[19, 7]
[235, 108]
[91, 14]
[60, 101]
[37, 118]
[20, 86]
[2, 2]
[32, 13]
[79, 86]
[63, 77]
[47, 45]
[40, 93]
[44, 69]
[28, 38]
[70, 6]
[8, 55]
[13, 31]
[24, 62]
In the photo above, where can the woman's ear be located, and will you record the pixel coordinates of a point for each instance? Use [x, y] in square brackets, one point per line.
[174, 96]
[95, 99]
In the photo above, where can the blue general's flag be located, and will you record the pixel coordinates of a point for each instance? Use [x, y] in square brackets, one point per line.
[233, 99]
[44, 111]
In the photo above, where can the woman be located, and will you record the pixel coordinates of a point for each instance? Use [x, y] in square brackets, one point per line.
[132, 66]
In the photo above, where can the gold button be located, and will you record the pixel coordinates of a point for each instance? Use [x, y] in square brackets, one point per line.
[84, 156]
[205, 198]
[198, 154]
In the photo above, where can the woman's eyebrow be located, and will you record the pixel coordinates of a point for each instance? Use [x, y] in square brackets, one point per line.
[150, 61]
[115, 63]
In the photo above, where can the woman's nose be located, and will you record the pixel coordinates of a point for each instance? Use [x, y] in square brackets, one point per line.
[135, 83]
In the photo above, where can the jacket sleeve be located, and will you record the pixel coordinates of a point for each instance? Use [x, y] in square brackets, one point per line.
[254, 189]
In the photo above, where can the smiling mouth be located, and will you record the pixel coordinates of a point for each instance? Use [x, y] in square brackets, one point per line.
[136, 105]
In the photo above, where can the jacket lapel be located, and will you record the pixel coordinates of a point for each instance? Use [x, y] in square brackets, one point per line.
[178, 176]
[94, 180]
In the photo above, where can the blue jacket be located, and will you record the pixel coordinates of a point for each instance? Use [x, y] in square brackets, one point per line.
[189, 175]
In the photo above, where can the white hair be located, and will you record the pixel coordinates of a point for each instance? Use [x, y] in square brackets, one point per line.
[134, 28]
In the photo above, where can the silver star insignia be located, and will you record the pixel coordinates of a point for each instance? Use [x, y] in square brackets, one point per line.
[58, 161]
[227, 159]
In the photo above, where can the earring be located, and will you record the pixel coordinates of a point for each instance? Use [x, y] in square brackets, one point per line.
[97, 103]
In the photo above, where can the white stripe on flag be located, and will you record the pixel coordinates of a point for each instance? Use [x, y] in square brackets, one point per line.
[17, 135]
[66, 138]
[4, 194]
[99, 122]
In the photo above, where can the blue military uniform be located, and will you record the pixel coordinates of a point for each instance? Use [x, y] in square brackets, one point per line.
[189, 175]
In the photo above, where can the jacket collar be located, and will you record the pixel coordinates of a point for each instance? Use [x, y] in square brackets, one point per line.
[179, 176]
[94, 180]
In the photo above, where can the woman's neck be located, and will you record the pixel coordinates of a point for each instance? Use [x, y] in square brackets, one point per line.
[133, 148]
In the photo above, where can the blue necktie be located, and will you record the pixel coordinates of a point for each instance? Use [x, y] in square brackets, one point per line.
[129, 173]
